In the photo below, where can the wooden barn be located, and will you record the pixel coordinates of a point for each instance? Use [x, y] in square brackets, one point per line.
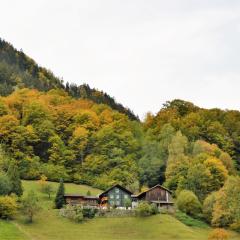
[115, 196]
[75, 199]
[158, 194]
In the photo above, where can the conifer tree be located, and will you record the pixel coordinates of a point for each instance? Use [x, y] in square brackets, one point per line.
[59, 200]
[14, 177]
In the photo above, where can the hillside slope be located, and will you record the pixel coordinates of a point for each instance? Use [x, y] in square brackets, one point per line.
[125, 228]
[17, 70]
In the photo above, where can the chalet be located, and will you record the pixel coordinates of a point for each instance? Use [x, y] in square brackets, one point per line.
[116, 196]
[158, 194]
[75, 199]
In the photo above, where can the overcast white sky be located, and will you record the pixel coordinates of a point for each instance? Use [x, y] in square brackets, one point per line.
[142, 52]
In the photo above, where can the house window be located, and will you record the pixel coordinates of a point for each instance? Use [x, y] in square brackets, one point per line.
[111, 202]
[117, 190]
[111, 196]
[117, 203]
[117, 196]
[126, 196]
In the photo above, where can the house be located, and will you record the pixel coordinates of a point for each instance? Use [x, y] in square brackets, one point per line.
[74, 199]
[116, 196]
[158, 194]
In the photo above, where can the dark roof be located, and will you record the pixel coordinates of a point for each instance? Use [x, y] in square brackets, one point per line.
[158, 185]
[75, 195]
[116, 185]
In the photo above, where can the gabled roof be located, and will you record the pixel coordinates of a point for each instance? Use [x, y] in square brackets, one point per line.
[158, 185]
[118, 186]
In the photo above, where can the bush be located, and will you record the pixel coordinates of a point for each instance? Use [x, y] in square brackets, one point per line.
[189, 221]
[89, 212]
[218, 234]
[188, 203]
[145, 209]
[77, 213]
[8, 207]
[72, 212]
[154, 209]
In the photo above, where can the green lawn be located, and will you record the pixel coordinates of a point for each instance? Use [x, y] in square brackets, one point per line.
[48, 225]
[8, 231]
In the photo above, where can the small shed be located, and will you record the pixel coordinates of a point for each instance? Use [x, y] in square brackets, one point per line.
[116, 196]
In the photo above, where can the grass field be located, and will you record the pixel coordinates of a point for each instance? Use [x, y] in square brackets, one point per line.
[8, 231]
[48, 225]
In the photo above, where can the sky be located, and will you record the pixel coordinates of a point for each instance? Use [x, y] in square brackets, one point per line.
[141, 52]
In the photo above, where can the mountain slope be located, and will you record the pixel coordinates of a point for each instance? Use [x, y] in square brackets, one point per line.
[17, 70]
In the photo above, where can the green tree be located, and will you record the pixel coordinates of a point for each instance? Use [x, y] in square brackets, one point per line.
[15, 180]
[208, 206]
[48, 189]
[59, 200]
[5, 185]
[30, 205]
[226, 210]
[178, 161]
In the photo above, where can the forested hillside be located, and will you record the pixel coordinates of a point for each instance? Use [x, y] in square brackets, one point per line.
[17, 71]
[216, 126]
[61, 137]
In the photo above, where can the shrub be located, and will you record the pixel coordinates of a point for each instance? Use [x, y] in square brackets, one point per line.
[89, 212]
[189, 221]
[8, 207]
[154, 209]
[188, 203]
[74, 213]
[77, 213]
[145, 209]
[218, 234]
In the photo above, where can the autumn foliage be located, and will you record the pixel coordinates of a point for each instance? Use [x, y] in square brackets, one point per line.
[218, 234]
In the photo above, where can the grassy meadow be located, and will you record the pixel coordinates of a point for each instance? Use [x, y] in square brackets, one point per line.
[48, 225]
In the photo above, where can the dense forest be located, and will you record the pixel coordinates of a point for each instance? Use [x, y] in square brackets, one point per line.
[82, 135]
[17, 71]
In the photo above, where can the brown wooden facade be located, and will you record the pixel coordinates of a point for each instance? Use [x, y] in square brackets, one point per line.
[157, 194]
[75, 199]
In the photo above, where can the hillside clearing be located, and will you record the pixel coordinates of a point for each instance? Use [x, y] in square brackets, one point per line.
[48, 225]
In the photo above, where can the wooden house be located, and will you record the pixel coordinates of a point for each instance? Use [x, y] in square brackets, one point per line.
[75, 199]
[158, 194]
[116, 196]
